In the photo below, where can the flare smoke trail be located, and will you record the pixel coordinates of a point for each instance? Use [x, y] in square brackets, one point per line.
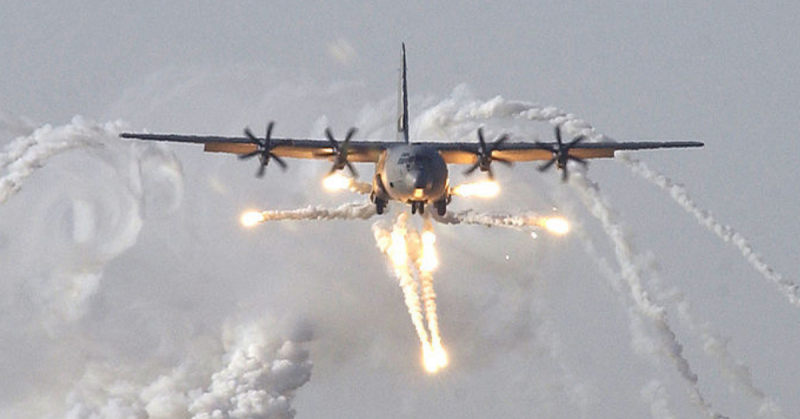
[259, 376]
[425, 260]
[680, 194]
[348, 211]
[716, 347]
[26, 154]
[103, 225]
[489, 220]
[624, 252]
[405, 248]
[393, 244]
[713, 345]
[450, 116]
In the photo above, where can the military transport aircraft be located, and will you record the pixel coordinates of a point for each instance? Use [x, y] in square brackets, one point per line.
[406, 171]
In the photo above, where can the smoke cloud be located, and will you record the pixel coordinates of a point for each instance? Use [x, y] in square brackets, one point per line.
[260, 370]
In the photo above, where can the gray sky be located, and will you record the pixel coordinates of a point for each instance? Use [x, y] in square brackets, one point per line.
[540, 333]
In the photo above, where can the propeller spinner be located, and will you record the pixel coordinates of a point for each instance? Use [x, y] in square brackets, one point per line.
[263, 150]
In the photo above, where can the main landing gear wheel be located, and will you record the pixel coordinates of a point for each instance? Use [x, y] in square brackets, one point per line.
[380, 206]
[441, 207]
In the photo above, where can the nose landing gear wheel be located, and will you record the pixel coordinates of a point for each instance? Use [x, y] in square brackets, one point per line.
[417, 206]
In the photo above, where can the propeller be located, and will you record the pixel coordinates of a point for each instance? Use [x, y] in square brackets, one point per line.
[339, 151]
[561, 154]
[263, 150]
[484, 154]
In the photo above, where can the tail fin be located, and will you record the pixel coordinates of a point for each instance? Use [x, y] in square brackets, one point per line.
[402, 102]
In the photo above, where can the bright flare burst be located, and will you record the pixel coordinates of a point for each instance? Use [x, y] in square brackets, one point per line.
[337, 182]
[251, 218]
[483, 189]
[556, 225]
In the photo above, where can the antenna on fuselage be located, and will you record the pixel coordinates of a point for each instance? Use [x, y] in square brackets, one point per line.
[402, 102]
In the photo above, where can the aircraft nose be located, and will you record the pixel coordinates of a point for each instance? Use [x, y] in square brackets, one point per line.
[423, 180]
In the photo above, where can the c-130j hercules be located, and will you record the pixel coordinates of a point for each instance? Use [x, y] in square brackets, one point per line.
[412, 172]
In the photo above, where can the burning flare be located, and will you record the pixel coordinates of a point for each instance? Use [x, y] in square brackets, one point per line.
[556, 225]
[482, 189]
[337, 182]
[251, 218]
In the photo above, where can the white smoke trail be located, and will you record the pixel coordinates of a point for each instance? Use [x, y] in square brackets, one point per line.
[716, 346]
[259, 375]
[348, 211]
[489, 220]
[599, 207]
[450, 116]
[680, 194]
[426, 260]
[26, 154]
[105, 212]
[393, 244]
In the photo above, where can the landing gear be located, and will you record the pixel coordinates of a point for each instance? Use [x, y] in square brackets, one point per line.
[441, 207]
[418, 206]
[380, 206]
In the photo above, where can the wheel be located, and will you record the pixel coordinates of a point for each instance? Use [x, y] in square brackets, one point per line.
[441, 207]
[380, 206]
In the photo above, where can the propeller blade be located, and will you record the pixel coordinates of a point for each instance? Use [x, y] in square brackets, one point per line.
[249, 155]
[250, 135]
[481, 141]
[576, 141]
[280, 161]
[503, 138]
[564, 174]
[547, 165]
[558, 135]
[508, 163]
[268, 137]
[579, 160]
[472, 168]
[334, 143]
[350, 133]
[351, 168]
[261, 170]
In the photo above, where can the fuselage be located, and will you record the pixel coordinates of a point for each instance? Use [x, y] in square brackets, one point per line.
[411, 173]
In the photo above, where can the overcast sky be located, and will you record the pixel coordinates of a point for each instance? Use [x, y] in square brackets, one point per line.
[125, 273]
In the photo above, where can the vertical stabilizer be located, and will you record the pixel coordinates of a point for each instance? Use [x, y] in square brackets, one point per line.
[402, 102]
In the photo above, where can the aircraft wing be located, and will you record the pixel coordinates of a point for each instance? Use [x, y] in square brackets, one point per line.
[370, 151]
[298, 148]
[467, 153]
